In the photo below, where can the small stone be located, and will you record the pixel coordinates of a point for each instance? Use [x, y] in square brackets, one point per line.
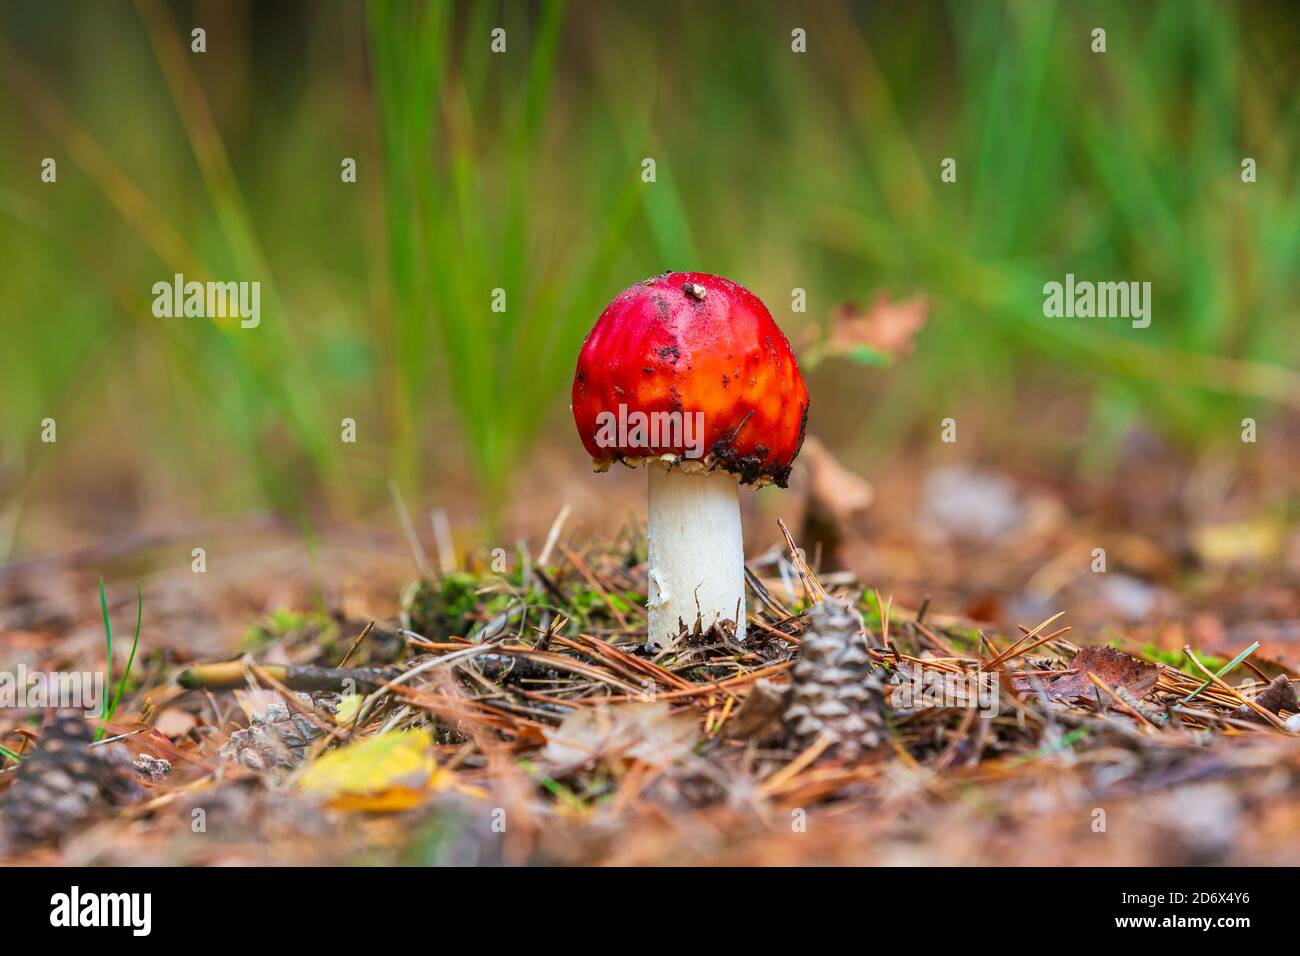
[151, 767]
[970, 504]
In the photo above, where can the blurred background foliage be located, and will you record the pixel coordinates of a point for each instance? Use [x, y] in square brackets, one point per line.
[522, 171]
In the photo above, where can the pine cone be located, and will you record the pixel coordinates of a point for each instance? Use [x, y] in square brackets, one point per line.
[65, 782]
[836, 691]
[274, 740]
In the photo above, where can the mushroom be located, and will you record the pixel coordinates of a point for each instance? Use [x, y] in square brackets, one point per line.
[688, 374]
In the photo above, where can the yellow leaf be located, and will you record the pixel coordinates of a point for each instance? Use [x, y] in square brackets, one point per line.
[346, 712]
[397, 799]
[1239, 543]
[392, 800]
[366, 767]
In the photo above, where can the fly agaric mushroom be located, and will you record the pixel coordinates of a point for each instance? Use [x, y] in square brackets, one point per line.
[688, 374]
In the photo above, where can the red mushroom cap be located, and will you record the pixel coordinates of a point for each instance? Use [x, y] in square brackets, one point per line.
[686, 343]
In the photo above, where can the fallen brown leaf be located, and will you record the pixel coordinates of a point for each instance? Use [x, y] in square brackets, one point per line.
[759, 717]
[832, 486]
[1114, 668]
[174, 723]
[888, 327]
[1276, 697]
[645, 732]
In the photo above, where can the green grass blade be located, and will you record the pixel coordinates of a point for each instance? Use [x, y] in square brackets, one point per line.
[1225, 669]
[108, 659]
[135, 642]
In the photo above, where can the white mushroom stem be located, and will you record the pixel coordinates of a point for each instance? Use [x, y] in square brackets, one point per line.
[697, 556]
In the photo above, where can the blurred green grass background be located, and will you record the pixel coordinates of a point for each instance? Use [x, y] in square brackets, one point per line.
[522, 171]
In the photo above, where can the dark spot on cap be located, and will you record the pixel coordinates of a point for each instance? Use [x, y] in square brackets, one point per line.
[670, 352]
[754, 466]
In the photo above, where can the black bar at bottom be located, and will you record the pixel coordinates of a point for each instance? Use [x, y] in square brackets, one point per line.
[227, 907]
